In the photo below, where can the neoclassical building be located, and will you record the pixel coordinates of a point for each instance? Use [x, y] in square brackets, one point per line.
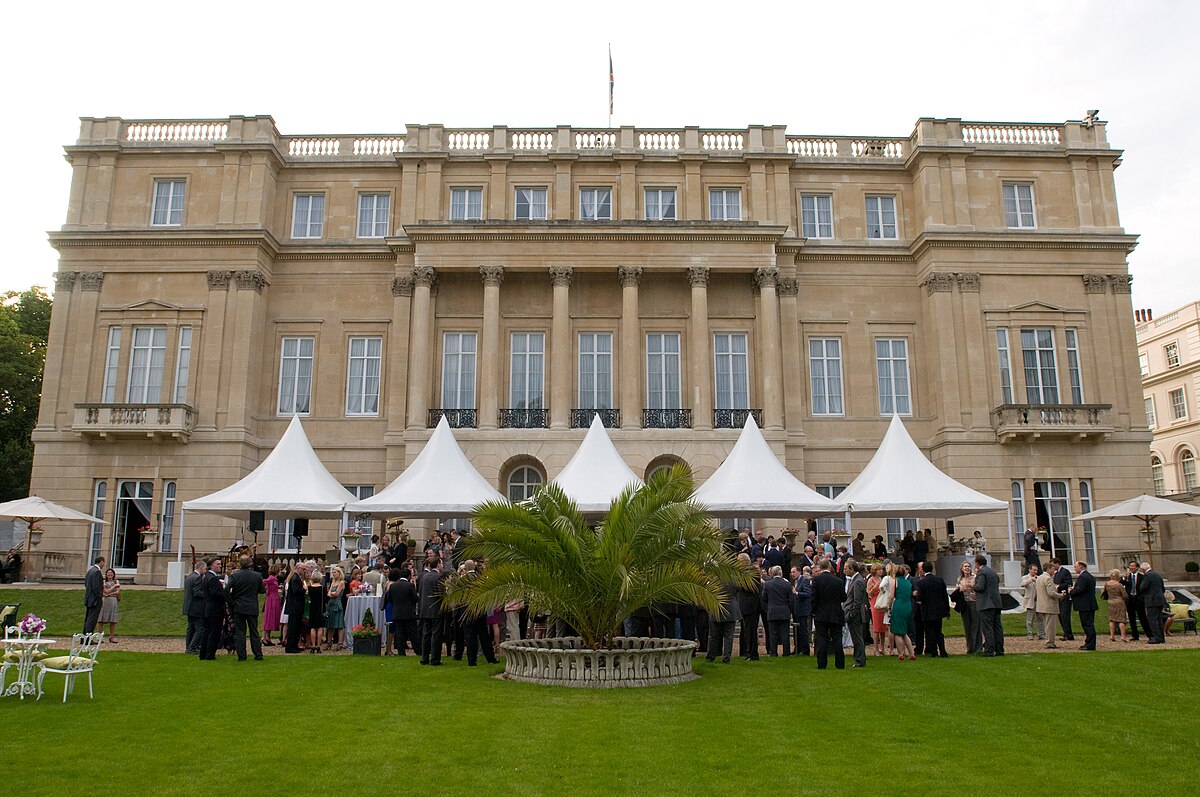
[217, 277]
[1169, 359]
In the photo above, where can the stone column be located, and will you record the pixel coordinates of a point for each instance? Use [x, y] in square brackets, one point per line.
[397, 356]
[944, 359]
[560, 349]
[88, 336]
[244, 365]
[793, 353]
[419, 354]
[212, 346]
[489, 348]
[630, 348]
[64, 283]
[772, 378]
[699, 343]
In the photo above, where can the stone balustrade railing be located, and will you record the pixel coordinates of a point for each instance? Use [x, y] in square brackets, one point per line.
[632, 661]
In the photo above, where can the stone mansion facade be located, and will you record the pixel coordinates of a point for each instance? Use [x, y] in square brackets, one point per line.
[217, 277]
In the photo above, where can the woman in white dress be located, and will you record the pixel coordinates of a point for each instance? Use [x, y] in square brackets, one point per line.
[887, 594]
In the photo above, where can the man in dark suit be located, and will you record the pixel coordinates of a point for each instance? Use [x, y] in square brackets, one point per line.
[777, 595]
[935, 607]
[245, 585]
[1154, 598]
[855, 610]
[193, 609]
[987, 603]
[93, 594]
[1083, 599]
[801, 609]
[1136, 609]
[1031, 550]
[1062, 581]
[749, 600]
[213, 591]
[457, 545]
[293, 607]
[827, 596]
[721, 625]
[401, 595]
[429, 595]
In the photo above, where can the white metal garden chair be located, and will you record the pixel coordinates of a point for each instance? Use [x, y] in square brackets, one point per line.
[11, 657]
[80, 661]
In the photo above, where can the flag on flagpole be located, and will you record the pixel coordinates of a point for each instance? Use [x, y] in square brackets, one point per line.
[610, 86]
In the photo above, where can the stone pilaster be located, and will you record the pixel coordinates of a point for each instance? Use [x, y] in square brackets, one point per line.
[489, 348]
[700, 345]
[630, 356]
[419, 358]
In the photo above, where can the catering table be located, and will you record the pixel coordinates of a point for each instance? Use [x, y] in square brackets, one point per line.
[356, 607]
[27, 649]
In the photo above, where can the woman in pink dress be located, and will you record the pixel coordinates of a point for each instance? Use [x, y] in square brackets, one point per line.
[272, 606]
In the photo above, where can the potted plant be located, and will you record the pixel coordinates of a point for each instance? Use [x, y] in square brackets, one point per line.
[366, 636]
[1192, 569]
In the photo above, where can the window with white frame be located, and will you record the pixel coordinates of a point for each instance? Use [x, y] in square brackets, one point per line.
[527, 370]
[830, 491]
[295, 375]
[530, 204]
[825, 374]
[891, 367]
[660, 204]
[282, 538]
[595, 204]
[1179, 410]
[816, 215]
[1089, 528]
[1171, 355]
[1150, 420]
[308, 215]
[183, 362]
[897, 527]
[523, 483]
[374, 214]
[1018, 510]
[662, 371]
[595, 370]
[1187, 471]
[146, 365]
[1144, 364]
[725, 204]
[881, 217]
[1041, 372]
[168, 203]
[166, 529]
[458, 370]
[99, 503]
[362, 376]
[1156, 474]
[1074, 374]
[1018, 206]
[466, 204]
[730, 352]
[1005, 360]
[111, 359]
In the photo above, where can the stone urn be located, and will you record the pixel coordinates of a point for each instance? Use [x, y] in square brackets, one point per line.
[35, 536]
[148, 537]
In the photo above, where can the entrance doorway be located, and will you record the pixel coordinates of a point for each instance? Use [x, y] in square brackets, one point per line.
[135, 500]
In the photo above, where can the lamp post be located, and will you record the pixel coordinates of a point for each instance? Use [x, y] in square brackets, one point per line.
[1148, 538]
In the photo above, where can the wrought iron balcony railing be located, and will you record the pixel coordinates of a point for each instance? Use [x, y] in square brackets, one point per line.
[458, 419]
[735, 419]
[666, 419]
[538, 418]
[1052, 421]
[582, 418]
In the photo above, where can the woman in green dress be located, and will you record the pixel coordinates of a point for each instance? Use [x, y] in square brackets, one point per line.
[902, 609]
[334, 617]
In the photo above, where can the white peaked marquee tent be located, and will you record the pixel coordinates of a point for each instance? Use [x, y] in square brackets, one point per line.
[752, 482]
[290, 483]
[596, 473]
[440, 483]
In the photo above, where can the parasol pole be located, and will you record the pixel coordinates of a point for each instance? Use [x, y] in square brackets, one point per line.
[1012, 542]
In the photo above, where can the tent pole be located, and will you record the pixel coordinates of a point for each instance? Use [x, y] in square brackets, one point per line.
[342, 539]
[182, 517]
[1012, 543]
[848, 529]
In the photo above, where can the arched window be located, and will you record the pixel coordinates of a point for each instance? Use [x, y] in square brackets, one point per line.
[1187, 471]
[1156, 472]
[523, 483]
[664, 462]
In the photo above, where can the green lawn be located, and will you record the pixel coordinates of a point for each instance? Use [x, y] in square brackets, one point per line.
[143, 612]
[287, 725]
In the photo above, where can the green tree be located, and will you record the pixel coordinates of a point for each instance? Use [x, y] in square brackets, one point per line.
[654, 545]
[24, 329]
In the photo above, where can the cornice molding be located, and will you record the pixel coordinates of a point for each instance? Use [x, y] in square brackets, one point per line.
[262, 239]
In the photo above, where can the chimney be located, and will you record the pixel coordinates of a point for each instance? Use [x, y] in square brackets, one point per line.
[1143, 316]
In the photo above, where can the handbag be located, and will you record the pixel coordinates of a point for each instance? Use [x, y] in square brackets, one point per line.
[881, 601]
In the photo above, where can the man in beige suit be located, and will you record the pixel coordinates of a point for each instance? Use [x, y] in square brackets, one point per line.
[1047, 601]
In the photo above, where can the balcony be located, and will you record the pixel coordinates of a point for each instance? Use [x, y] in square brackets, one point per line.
[458, 419]
[735, 419]
[531, 418]
[666, 419]
[1059, 422]
[134, 421]
[582, 418]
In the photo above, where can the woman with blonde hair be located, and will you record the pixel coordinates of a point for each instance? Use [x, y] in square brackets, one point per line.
[878, 629]
[1118, 615]
[887, 594]
[335, 618]
[970, 616]
[902, 614]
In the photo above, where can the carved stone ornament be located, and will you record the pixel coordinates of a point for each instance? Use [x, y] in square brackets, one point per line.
[64, 280]
[938, 282]
[219, 280]
[402, 286]
[968, 281]
[560, 276]
[789, 286]
[491, 275]
[424, 277]
[250, 279]
[698, 276]
[1121, 283]
[629, 276]
[1095, 283]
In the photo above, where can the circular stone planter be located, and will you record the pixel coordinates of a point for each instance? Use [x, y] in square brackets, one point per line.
[633, 661]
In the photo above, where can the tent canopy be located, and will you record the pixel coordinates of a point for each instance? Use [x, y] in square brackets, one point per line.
[900, 481]
[440, 483]
[752, 482]
[290, 483]
[596, 473]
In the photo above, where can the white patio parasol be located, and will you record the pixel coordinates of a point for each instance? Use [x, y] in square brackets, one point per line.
[34, 508]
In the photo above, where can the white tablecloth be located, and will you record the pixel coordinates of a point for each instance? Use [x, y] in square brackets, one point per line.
[356, 607]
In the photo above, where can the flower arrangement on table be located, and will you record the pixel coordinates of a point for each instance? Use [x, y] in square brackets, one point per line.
[367, 629]
[365, 588]
[32, 624]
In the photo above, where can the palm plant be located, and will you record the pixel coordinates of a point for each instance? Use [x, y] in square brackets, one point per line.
[654, 545]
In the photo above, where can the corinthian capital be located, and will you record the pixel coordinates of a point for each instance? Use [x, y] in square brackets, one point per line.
[629, 276]
[424, 276]
[64, 280]
[765, 277]
[698, 276]
[250, 279]
[219, 280]
[402, 286]
[789, 286]
[560, 276]
[491, 275]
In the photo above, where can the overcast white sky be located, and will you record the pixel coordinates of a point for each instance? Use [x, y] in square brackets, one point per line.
[861, 68]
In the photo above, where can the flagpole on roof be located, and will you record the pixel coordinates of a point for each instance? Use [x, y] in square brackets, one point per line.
[610, 85]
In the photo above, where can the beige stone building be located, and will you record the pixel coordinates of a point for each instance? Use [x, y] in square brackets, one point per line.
[217, 276]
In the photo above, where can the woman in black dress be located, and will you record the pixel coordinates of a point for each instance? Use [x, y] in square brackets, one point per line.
[316, 612]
